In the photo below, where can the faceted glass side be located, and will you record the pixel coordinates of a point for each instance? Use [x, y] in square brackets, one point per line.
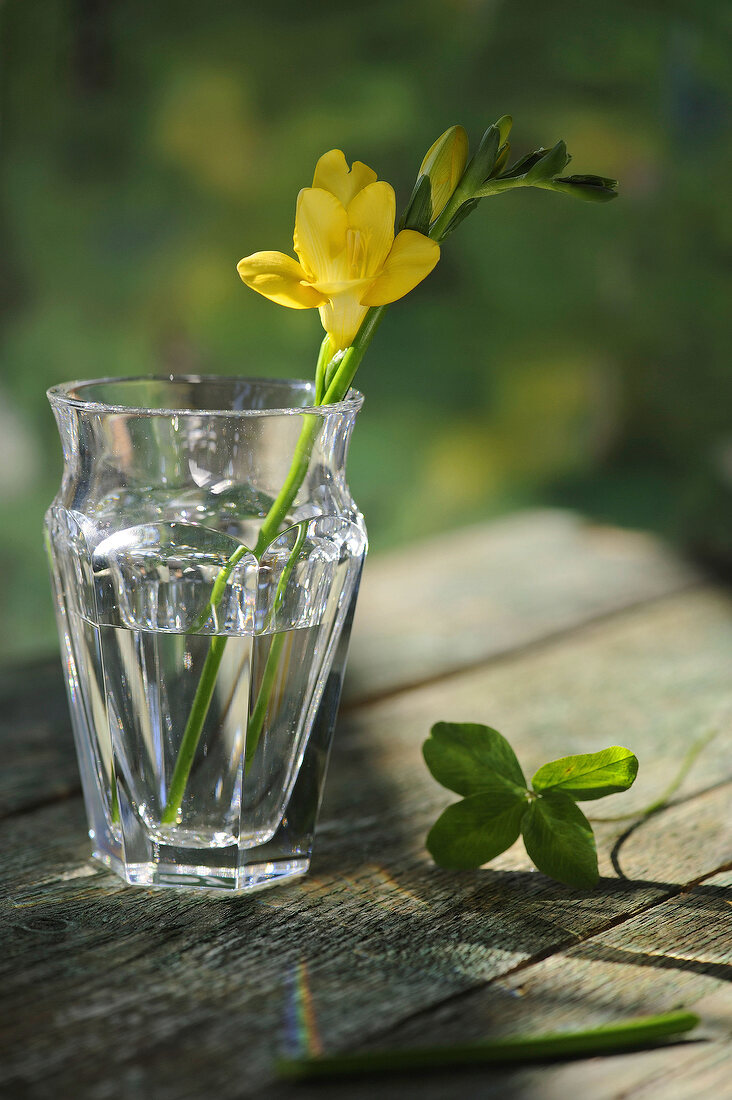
[146, 518]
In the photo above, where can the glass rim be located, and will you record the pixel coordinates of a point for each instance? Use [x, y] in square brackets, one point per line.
[64, 394]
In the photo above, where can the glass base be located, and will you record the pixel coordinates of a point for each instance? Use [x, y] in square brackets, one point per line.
[197, 876]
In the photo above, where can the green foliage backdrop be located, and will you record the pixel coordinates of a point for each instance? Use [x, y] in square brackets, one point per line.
[561, 353]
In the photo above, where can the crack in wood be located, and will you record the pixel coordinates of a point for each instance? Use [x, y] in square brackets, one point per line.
[644, 819]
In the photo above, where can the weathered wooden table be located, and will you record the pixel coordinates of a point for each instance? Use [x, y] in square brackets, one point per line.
[565, 637]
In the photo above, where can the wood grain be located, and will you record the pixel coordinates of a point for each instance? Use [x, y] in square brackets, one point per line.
[451, 602]
[111, 991]
[676, 954]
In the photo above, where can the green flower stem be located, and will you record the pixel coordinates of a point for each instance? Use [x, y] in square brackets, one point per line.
[219, 587]
[259, 710]
[284, 580]
[626, 1035]
[194, 726]
[324, 358]
[335, 392]
[256, 719]
[115, 798]
[497, 186]
[448, 213]
[283, 501]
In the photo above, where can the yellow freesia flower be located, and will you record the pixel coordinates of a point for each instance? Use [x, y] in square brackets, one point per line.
[349, 258]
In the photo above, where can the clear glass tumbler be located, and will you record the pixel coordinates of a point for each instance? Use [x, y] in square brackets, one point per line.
[204, 666]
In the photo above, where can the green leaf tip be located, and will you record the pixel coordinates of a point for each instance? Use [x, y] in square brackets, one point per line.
[503, 125]
[589, 776]
[550, 164]
[482, 164]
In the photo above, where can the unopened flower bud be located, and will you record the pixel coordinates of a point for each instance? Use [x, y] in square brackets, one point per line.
[445, 163]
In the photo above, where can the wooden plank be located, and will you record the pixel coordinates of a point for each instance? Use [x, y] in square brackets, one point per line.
[678, 954]
[454, 601]
[437, 607]
[138, 983]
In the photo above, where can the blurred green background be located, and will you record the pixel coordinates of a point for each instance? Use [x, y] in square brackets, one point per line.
[562, 353]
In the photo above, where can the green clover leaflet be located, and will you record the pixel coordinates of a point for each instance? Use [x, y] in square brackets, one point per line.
[477, 762]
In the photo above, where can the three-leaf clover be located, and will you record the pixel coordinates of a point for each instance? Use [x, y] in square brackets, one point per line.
[477, 762]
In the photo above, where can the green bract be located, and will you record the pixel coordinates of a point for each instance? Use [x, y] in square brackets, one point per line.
[476, 761]
[418, 212]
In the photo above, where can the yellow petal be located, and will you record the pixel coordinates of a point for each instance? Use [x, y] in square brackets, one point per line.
[332, 174]
[370, 229]
[279, 278]
[410, 261]
[321, 223]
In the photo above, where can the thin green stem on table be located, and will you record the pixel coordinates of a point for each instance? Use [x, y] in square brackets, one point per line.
[335, 391]
[625, 1035]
